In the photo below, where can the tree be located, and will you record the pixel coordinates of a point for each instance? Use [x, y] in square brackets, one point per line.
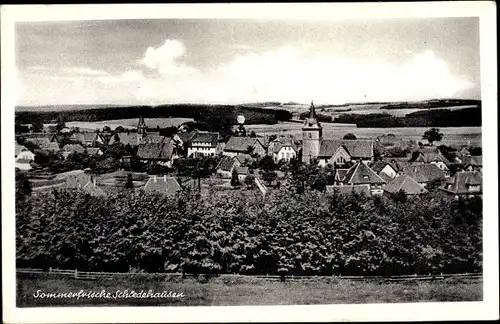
[106, 129]
[119, 129]
[349, 136]
[235, 181]
[129, 184]
[267, 163]
[252, 134]
[60, 123]
[249, 180]
[37, 126]
[432, 135]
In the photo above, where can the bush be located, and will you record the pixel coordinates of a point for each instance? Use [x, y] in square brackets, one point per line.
[287, 233]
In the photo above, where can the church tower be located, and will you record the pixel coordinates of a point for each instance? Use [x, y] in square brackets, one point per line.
[141, 130]
[312, 134]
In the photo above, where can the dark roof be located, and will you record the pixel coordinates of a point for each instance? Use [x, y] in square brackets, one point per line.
[378, 166]
[423, 172]
[156, 151]
[206, 137]
[186, 136]
[242, 157]
[73, 148]
[164, 185]
[355, 148]
[226, 163]
[406, 184]
[428, 157]
[360, 173]
[363, 189]
[240, 144]
[461, 180]
[156, 139]
[241, 170]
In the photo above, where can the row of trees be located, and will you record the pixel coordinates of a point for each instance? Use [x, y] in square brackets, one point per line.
[240, 232]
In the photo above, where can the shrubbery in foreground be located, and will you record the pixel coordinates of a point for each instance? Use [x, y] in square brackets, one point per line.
[287, 233]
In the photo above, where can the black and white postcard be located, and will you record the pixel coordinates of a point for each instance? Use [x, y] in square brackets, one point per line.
[283, 162]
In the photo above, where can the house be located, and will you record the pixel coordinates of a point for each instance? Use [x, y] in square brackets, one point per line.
[88, 138]
[424, 173]
[203, 144]
[472, 163]
[163, 185]
[339, 175]
[464, 184]
[434, 157]
[363, 189]
[405, 184]
[283, 149]
[331, 151]
[362, 174]
[240, 145]
[242, 172]
[243, 158]
[159, 153]
[23, 157]
[339, 152]
[184, 138]
[226, 165]
[385, 170]
[44, 144]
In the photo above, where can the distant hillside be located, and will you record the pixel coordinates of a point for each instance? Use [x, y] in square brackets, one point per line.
[210, 114]
[435, 103]
[424, 118]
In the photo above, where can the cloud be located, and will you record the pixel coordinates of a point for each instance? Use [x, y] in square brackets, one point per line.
[289, 73]
[296, 73]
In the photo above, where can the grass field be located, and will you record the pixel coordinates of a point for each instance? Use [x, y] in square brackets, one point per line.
[452, 135]
[227, 291]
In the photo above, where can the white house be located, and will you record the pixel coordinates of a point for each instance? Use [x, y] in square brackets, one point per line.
[203, 144]
[23, 157]
[283, 149]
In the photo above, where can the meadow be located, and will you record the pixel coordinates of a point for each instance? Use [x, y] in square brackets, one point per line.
[244, 290]
[452, 135]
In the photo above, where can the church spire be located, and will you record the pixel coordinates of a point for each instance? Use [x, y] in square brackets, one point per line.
[312, 111]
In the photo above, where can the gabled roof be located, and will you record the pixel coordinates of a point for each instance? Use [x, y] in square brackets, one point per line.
[44, 144]
[38, 140]
[378, 166]
[73, 148]
[360, 173]
[464, 152]
[406, 184]
[226, 163]
[164, 185]
[243, 157]
[423, 173]
[240, 144]
[186, 136]
[205, 137]
[363, 189]
[156, 151]
[355, 148]
[77, 179]
[428, 157]
[84, 137]
[461, 180]
[241, 170]
[473, 160]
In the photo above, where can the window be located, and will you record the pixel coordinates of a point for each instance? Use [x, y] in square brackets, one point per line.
[309, 135]
[287, 155]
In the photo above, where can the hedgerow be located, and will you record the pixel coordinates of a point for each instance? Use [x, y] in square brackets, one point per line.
[241, 232]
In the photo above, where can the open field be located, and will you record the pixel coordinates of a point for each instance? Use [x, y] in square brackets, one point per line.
[240, 290]
[452, 135]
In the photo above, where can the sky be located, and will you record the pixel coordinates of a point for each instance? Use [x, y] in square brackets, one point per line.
[239, 61]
